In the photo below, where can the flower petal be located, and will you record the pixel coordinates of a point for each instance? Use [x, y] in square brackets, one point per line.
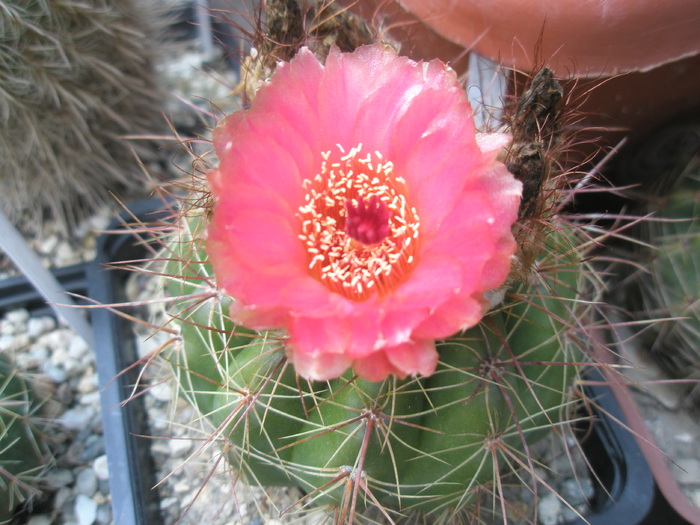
[277, 239]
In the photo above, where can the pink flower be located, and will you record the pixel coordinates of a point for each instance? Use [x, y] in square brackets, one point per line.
[355, 208]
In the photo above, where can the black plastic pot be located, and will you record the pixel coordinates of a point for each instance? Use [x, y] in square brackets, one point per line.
[18, 292]
[628, 495]
[131, 470]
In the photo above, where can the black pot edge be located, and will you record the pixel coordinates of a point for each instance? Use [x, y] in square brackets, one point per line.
[18, 292]
[131, 470]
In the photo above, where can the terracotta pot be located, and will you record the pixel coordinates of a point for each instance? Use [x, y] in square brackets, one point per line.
[581, 38]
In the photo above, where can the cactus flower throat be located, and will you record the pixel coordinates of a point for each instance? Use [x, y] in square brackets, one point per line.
[357, 226]
[356, 208]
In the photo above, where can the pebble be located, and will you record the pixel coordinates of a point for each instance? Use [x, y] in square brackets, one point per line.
[549, 508]
[78, 418]
[85, 510]
[56, 373]
[39, 519]
[690, 471]
[179, 447]
[101, 467]
[57, 478]
[104, 514]
[37, 326]
[161, 392]
[86, 482]
[93, 446]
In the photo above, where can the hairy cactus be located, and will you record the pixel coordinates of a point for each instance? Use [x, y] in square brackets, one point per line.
[668, 285]
[22, 456]
[76, 77]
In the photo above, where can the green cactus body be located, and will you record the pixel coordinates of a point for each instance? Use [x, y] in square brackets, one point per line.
[671, 289]
[425, 444]
[21, 455]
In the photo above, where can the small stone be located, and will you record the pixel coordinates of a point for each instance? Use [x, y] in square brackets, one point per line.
[94, 446]
[549, 508]
[578, 491]
[64, 254]
[37, 326]
[72, 366]
[179, 447]
[103, 486]
[39, 519]
[48, 245]
[14, 342]
[86, 482]
[58, 341]
[695, 498]
[101, 467]
[88, 383]
[170, 508]
[161, 391]
[57, 478]
[55, 372]
[85, 510]
[181, 487]
[78, 347]
[689, 471]
[7, 342]
[18, 317]
[77, 418]
[63, 496]
[104, 514]
[90, 399]
[684, 437]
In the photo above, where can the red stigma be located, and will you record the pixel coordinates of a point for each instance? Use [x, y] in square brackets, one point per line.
[367, 222]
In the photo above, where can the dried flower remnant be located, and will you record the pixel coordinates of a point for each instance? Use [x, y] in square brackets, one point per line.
[355, 208]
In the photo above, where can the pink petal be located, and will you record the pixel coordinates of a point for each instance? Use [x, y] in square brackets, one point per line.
[418, 358]
[376, 367]
[417, 116]
[318, 367]
[460, 313]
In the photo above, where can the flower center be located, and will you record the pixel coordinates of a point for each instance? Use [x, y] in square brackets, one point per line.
[359, 231]
[367, 222]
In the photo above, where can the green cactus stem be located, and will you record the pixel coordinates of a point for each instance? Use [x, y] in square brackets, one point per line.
[22, 456]
[418, 444]
[669, 286]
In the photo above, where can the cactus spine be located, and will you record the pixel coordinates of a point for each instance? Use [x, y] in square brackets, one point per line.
[76, 77]
[22, 457]
[669, 286]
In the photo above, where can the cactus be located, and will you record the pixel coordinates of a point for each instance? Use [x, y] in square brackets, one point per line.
[668, 286]
[76, 77]
[420, 444]
[424, 447]
[22, 456]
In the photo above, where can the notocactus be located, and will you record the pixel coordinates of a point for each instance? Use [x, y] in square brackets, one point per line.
[304, 278]
[421, 444]
[23, 457]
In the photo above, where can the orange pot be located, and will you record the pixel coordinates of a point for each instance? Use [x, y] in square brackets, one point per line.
[577, 37]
